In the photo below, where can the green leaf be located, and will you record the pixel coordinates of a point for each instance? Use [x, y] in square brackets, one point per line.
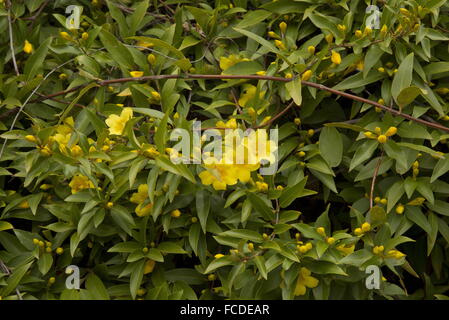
[96, 288]
[363, 153]
[260, 263]
[170, 247]
[203, 207]
[403, 78]
[218, 263]
[246, 234]
[118, 51]
[440, 168]
[408, 95]
[294, 90]
[415, 214]
[36, 61]
[45, 262]
[289, 194]
[14, 280]
[331, 146]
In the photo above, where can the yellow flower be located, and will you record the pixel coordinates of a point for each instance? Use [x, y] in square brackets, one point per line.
[142, 210]
[248, 94]
[141, 195]
[384, 29]
[218, 256]
[230, 124]
[117, 123]
[27, 47]
[261, 186]
[80, 182]
[227, 62]
[335, 57]
[360, 65]
[330, 240]
[59, 251]
[346, 249]
[304, 281]
[329, 38]
[358, 33]
[136, 74]
[149, 266]
[76, 151]
[341, 27]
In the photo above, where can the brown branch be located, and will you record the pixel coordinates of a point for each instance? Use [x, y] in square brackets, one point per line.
[38, 12]
[253, 77]
[280, 114]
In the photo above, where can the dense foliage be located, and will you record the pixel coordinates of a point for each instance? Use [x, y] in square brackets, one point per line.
[88, 176]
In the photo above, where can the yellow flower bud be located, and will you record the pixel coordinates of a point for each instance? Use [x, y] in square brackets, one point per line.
[329, 38]
[218, 256]
[306, 75]
[382, 138]
[136, 74]
[384, 29]
[273, 35]
[155, 95]
[358, 33]
[176, 213]
[400, 209]
[250, 246]
[335, 57]
[310, 132]
[280, 44]
[366, 227]
[288, 75]
[65, 35]
[30, 138]
[297, 121]
[330, 240]
[283, 27]
[84, 36]
[391, 131]
[341, 27]
[311, 49]
[321, 231]
[151, 59]
[59, 251]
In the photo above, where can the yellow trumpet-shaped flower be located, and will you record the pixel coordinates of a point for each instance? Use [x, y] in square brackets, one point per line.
[248, 94]
[80, 182]
[304, 281]
[117, 123]
[27, 47]
[141, 195]
[227, 62]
